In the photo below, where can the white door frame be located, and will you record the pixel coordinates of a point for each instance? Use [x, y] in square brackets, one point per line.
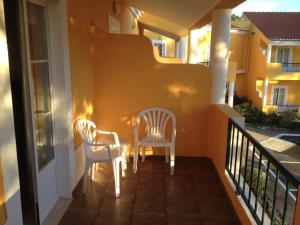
[285, 100]
[61, 94]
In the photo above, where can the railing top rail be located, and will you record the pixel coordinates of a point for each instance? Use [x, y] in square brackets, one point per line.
[291, 177]
[298, 63]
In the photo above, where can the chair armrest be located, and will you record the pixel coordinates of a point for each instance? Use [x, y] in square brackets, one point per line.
[114, 134]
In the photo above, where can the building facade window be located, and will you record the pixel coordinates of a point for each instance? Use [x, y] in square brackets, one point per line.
[279, 95]
[283, 55]
[162, 47]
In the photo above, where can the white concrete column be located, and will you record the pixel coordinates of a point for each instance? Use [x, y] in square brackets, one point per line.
[230, 93]
[220, 41]
[177, 49]
[269, 53]
[265, 92]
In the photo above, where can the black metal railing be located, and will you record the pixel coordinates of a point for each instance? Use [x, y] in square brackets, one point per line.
[286, 108]
[290, 67]
[266, 186]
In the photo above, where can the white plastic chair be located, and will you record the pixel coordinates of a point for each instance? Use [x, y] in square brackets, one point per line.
[156, 120]
[99, 151]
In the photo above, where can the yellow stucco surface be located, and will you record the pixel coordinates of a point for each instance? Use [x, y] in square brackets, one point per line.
[217, 139]
[123, 91]
[257, 65]
[115, 76]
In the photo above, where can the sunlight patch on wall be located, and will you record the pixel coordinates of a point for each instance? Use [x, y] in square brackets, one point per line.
[179, 89]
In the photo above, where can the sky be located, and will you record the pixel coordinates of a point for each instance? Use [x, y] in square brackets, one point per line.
[267, 6]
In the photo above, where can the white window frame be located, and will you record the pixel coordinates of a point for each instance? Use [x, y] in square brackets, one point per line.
[164, 44]
[285, 99]
[290, 53]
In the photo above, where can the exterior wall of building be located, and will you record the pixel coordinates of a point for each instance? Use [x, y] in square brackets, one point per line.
[11, 201]
[200, 47]
[123, 91]
[240, 84]
[217, 139]
[296, 54]
[82, 58]
[239, 50]
[170, 42]
[257, 65]
[293, 91]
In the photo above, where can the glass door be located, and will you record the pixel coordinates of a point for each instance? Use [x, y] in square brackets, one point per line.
[39, 73]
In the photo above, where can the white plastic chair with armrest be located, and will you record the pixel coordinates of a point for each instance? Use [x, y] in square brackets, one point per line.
[156, 120]
[97, 152]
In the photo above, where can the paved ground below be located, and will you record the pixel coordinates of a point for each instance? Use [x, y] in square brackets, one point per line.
[288, 153]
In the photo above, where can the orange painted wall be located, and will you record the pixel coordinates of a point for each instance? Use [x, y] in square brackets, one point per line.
[82, 50]
[293, 91]
[217, 139]
[239, 86]
[257, 66]
[239, 50]
[128, 80]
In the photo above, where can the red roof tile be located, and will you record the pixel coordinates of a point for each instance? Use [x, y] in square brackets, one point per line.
[277, 25]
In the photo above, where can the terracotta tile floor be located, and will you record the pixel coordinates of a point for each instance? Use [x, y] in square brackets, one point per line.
[193, 196]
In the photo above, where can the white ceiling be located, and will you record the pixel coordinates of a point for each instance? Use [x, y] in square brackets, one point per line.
[182, 12]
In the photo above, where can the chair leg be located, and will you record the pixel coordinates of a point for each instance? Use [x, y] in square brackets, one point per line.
[143, 153]
[116, 168]
[93, 170]
[167, 149]
[135, 157]
[85, 176]
[123, 163]
[172, 163]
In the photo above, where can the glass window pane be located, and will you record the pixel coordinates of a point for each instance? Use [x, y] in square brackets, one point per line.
[286, 55]
[36, 16]
[279, 55]
[43, 113]
[275, 96]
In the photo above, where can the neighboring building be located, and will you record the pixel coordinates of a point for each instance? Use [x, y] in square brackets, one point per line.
[266, 50]
[273, 79]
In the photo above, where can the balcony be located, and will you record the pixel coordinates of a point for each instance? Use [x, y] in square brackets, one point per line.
[290, 67]
[266, 186]
[281, 108]
[283, 71]
[193, 196]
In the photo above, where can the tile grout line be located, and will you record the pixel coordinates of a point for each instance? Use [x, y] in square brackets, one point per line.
[134, 198]
[195, 196]
[100, 205]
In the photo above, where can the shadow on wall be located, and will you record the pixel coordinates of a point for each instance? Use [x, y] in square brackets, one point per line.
[128, 80]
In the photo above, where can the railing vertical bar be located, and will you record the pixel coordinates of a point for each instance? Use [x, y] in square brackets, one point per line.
[236, 152]
[258, 179]
[229, 135]
[231, 151]
[241, 161]
[264, 207]
[274, 198]
[265, 192]
[246, 165]
[285, 201]
[251, 174]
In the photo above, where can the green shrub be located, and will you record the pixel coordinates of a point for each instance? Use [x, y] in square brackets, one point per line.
[272, 119]
[251, 113]
[295, 125]
[288, 118]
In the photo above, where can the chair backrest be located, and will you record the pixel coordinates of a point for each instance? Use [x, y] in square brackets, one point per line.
[156, 120]
[86, 130]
